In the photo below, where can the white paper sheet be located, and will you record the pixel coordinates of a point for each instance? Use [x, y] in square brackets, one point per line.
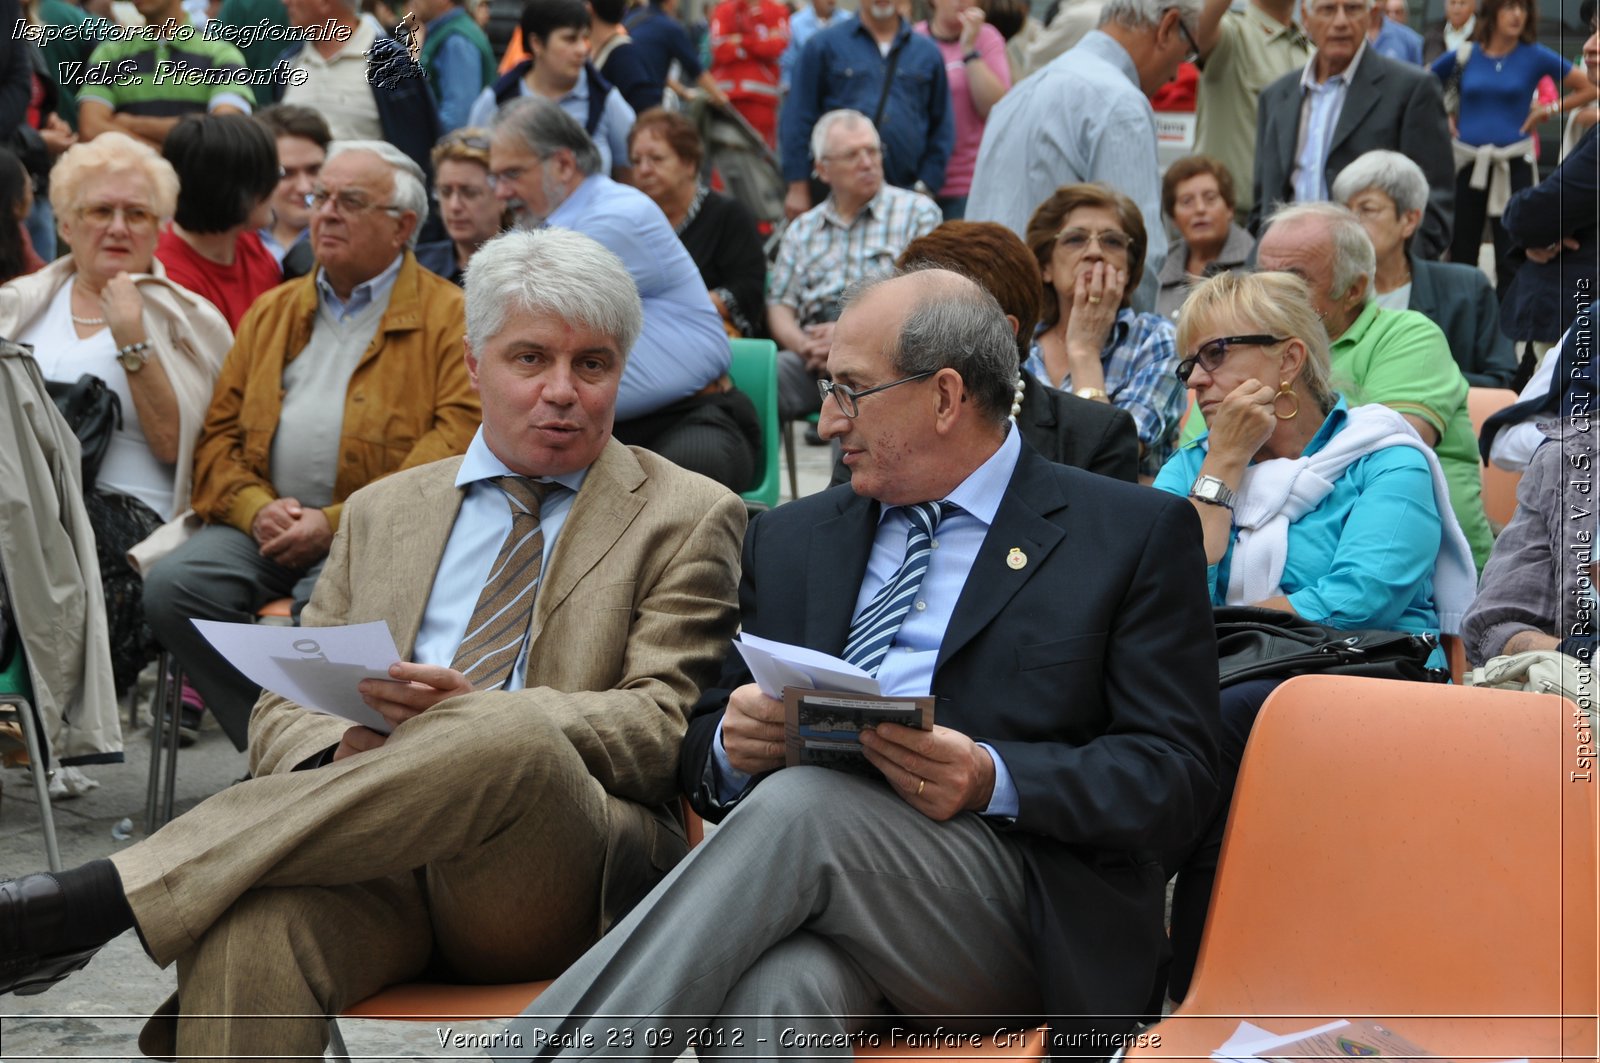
[776, 665]
[317, 667]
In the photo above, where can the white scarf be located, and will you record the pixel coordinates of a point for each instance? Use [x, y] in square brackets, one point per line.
[1274, 494]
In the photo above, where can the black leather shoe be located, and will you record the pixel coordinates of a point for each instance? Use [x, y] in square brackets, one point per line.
[32, 914]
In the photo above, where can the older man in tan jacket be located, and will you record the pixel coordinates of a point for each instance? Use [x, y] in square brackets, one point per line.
[559, 599]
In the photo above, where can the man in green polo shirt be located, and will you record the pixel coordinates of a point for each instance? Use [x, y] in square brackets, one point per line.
[1241, 52]
[1395, 357]
[142, 86]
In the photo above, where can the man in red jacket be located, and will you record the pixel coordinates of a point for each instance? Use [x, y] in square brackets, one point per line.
[748, 37]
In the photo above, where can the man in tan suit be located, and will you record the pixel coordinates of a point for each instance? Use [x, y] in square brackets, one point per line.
[524, 797]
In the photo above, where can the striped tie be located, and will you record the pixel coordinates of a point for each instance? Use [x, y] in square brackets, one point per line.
[500, 621]
[874, 630]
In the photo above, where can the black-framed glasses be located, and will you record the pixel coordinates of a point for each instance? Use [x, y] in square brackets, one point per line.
[1211, 354]
[849, 398]
[1194, 45]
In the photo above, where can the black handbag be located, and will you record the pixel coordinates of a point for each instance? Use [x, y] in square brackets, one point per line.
[93, 411]
[1255, 643]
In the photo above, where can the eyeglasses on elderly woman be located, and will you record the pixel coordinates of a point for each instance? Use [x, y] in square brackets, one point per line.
[1212, 353]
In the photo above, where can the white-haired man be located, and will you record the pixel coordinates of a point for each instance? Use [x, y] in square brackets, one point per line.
[676, 397]
[854, 234]
[1036, 141]
[334, 380]
[1395, 357]
[559, 599]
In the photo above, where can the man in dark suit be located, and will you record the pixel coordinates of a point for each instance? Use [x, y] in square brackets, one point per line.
[1001, 864]
[1349, 100]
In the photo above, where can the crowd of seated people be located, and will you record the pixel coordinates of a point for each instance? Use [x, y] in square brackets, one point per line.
[282, 338]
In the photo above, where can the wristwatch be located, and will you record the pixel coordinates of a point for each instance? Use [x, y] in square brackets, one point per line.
[133, 356]
[1212, 491]
[1092, 394]
[970, 56]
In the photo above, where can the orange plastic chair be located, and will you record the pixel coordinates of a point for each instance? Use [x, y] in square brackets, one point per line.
[441, 1002]
[1499, 486]
[1422, 856]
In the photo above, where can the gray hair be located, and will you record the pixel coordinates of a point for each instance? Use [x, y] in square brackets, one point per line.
[1353, 255]
[545, 128]
[955, 324]
[825, 124]
[410, 187]
[1391, 173]
[1146, 14]
[551, 271]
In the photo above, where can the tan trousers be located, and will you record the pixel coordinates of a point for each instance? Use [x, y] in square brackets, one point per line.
[474, 838]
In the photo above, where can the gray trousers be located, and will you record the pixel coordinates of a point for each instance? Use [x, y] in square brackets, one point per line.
[821, 905]
[219, 574]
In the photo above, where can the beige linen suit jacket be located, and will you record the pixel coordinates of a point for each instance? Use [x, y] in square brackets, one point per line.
[634, 615]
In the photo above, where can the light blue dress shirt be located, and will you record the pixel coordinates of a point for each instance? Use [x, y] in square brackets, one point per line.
[803, 25]
[1321, 105]
[682, 346]
[908, 669]
[1080, 117]
[1398, 41]
[362, 295]
[481, 527]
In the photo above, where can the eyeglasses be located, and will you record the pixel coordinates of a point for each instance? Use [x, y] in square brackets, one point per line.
[510, 176]
[1194, 46]
[849, 398]
[466, 193]
[1212, 353]
[851, 157]
[1111, 241]
[101, 215]
[347, 204]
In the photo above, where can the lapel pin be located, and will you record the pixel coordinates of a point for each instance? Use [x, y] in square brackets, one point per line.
[1016, 558]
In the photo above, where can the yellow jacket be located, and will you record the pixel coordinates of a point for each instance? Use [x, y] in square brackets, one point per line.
[408, 403]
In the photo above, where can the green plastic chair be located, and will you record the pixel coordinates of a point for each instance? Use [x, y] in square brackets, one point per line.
[755, 372]
[16, 699]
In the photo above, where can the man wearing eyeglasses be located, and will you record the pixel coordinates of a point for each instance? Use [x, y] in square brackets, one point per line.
[996, 870]
[858, 231]
[334, 380]
[1347, 101]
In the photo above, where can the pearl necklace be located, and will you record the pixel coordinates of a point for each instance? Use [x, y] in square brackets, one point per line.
[76, 320]
[1016, 400]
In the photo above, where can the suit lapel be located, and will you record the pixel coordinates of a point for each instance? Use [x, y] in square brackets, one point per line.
[1366, 87]
[603, 510]
[1022, 524]
[1424, 299]
[837, 564]
[415, 553]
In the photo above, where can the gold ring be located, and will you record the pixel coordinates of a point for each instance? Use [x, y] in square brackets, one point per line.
[921, 784]
[1094, 300]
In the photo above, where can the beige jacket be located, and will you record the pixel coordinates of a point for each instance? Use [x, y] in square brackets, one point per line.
[52, 576]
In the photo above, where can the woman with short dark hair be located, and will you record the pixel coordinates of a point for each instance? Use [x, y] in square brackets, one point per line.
[1090, 242]
[227, 168]
[1197, 194]
[718, 231]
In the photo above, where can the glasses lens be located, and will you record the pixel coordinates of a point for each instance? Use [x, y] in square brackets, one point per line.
[843, 396]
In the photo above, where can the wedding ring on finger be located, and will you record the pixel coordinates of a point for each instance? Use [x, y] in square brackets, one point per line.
[922, 784]
[1094, 300]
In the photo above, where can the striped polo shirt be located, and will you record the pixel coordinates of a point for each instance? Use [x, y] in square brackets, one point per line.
[168, 77]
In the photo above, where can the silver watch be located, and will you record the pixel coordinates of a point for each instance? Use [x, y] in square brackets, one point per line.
[1212, 491]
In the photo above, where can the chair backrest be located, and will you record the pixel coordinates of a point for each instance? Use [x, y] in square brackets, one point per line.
[755, 372]
[1499, 486]
[1410, 850]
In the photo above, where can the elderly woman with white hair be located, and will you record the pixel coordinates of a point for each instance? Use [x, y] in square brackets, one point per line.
[1334, 513]
[1387, 192]
[108, 310]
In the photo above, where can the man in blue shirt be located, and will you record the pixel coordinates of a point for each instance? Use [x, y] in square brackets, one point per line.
[675, 397]
[456, 58]
[846, 67]
[661, 41]
[805, 24]
[1393, 39]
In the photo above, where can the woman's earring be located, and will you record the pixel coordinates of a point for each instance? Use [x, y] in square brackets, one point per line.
[1286, 391]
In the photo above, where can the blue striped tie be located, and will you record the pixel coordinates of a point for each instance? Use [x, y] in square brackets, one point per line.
[874, 630]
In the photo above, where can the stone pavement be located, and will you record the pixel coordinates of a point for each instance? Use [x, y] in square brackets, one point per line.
[96, 1014]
